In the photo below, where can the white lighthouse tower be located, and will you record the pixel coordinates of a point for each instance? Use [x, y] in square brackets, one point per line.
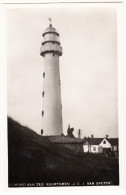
[51, 94]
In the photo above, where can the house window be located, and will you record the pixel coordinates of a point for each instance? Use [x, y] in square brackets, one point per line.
[43, 74]
[104, 142]
[43, 93]
[42, 113]
[94, 148]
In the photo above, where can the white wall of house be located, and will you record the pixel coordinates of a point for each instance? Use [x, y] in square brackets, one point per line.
[114, 148]
[94, 148]
[85, 148]
[105, 144]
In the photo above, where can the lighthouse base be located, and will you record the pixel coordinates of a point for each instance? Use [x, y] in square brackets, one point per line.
[74, 144]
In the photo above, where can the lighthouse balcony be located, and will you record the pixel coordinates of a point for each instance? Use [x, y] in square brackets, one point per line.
[51, 48]
[48, 41]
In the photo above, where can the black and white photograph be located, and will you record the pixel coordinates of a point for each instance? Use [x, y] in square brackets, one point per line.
[62, 95]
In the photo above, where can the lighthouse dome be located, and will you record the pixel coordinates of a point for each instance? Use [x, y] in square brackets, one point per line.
[50, 28]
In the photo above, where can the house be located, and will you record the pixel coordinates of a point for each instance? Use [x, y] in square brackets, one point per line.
[101, 145]
[91, 145]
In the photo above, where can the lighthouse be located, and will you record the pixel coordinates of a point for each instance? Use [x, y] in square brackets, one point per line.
[51, 95]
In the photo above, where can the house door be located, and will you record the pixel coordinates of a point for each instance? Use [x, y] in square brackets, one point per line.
[106, 150]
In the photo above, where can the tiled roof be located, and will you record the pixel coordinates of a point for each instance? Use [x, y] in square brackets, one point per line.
[113, 141]
[94, 141]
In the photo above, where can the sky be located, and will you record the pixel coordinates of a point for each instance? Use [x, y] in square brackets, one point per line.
[88, 66]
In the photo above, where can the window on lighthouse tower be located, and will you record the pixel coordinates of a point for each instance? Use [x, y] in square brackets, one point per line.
[43, 93]
[42, 113]
[43, 74]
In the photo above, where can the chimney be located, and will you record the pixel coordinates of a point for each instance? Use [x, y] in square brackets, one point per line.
[92, 136]
[107, 136]
[79, 133]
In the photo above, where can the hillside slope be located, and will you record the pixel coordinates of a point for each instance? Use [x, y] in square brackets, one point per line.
[33, 158]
